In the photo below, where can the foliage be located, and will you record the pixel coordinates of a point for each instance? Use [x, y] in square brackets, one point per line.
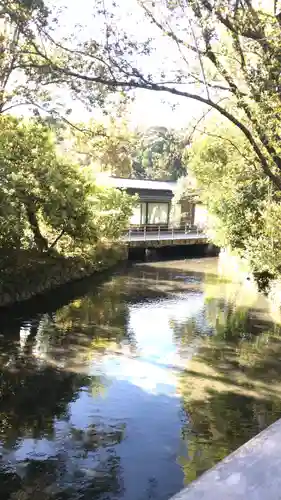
[159, 154]
[230, 387]
[155, 153]
[186, 188]
[20, 23]
[228, 52]
[106, 147]
[48, 201]
[243, 204]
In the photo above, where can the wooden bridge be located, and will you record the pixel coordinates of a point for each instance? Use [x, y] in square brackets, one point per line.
[159, 236]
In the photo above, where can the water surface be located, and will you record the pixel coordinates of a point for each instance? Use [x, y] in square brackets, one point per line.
[136, 386]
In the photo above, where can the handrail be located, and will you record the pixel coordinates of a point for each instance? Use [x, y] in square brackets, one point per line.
[157, 230]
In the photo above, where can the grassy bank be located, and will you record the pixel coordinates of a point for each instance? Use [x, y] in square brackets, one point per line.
[26, 274]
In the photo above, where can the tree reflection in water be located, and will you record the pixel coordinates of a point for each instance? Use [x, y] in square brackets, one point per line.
[44, 455]
[55, 442]
[42, 452]
[231, 388]
[68, 430]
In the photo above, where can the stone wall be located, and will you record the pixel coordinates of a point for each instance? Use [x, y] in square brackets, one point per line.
[36, 276]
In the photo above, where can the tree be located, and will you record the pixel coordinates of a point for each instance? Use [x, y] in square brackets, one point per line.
[230, 50]
[49, 201]
[30, 56]
[106, 147]
[112, 147]
[160, 154]
[244, 207]
[20, 23]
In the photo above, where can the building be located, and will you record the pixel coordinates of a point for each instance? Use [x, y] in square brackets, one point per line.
[156, 205]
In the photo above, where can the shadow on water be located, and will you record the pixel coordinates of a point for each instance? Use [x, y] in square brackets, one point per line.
[53, 300]
[58, 297]
[129, 388]
[45, 453]
[232, 387]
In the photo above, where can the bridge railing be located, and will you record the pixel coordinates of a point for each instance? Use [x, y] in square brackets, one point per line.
[144, 233]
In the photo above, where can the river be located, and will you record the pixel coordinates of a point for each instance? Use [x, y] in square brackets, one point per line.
[132, 387]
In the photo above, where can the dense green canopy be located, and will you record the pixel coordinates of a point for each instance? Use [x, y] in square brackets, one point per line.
[225, 55]
[47, 201]
[243, 204]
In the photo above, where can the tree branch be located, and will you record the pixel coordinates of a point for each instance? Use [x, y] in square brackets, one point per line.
[218, 136]
[78, 52]
[56, 240]
[40, 240]
[132, 83]
[241, 102]
[202, 117]
[50, 112]
[247, 33]
[168, 33]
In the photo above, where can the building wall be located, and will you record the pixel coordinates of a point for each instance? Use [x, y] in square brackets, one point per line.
[200, 216]
[151, 209]
[187, 212]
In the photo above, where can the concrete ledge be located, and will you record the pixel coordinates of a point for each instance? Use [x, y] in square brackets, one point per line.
[253, 472]
[201, 240]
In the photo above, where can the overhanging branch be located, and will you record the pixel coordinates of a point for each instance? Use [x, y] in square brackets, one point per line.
[133, 83]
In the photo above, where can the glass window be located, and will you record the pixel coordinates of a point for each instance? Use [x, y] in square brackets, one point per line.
[136, 216]
[143, 213]
[175, 214]
[200, 216]
[139, 215]
[157, 213]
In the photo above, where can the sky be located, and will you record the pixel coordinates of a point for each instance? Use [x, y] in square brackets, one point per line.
[148, 108]
[151, 109]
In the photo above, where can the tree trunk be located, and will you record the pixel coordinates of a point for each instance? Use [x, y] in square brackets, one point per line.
[40, 241]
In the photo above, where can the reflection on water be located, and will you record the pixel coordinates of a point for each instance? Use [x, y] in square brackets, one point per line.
[136, 387]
